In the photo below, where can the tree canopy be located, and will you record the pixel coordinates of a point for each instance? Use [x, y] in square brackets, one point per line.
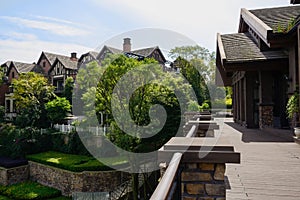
[31, 92]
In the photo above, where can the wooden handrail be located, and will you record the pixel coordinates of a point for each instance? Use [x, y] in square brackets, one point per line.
[164, 188]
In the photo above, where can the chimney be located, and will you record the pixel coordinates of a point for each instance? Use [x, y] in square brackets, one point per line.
[126, 45]
[295, 1]
[74, 56]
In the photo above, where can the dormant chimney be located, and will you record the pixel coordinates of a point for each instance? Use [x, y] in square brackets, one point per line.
[73, 56]
[126, 45]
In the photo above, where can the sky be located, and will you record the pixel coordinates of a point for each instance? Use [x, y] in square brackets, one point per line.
[29, 27]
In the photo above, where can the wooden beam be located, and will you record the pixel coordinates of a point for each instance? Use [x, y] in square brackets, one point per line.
[256, 24]
[221, 48]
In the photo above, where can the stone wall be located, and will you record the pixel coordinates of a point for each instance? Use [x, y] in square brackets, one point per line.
[14, 175]
[69, 182]
[265, 116]
[203, 181]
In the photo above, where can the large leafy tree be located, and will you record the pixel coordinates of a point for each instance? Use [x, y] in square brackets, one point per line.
[194, 77]
[31, 93]
[199, 57]
[112, 97]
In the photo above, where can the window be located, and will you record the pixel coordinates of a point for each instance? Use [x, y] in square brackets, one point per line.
[44, 63]
[13, 75]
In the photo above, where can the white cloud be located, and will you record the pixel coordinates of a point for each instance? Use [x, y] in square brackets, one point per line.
[54, 28]
[197, 19]
[29, 51]
[22, 36]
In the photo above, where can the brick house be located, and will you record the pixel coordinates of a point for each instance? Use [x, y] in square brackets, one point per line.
[261, 63]
[13, 72]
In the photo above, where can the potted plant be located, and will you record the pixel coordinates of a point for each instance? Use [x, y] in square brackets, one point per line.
[292, 109]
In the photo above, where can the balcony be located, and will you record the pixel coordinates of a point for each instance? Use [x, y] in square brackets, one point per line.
[193, 167]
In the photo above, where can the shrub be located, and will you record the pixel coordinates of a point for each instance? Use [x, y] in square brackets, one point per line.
[30, 190]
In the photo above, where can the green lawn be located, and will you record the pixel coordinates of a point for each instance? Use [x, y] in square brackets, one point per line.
[75, 163]
[30, 190]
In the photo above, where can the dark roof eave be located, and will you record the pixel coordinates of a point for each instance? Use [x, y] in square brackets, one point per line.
[254, 65]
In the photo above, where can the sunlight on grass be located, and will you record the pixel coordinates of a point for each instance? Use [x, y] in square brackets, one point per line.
[32, 195]
[54, 160]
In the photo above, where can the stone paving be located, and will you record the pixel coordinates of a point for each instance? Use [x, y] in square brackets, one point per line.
[270, 164]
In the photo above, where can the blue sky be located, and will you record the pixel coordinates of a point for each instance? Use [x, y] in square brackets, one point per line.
[30, 27]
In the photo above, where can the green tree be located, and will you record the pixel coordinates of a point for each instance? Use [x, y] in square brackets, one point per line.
[110, 93]
[57, 109]
[31, 93]
[194, 78]
[199, 57]
[68, 89]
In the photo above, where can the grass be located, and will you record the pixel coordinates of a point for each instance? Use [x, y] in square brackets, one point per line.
[28, 190]
[75, 163]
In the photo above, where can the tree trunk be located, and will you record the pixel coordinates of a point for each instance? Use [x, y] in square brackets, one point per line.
[135, 186]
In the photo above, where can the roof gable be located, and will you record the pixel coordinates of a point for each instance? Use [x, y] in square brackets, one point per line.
[275, 17]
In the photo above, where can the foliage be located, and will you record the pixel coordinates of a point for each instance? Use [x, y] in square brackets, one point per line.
[69, 143]
[199, 57]
[140, 102]
[68, 89]
[193, 76]
[18, 142]
[280, 28]
[193, 106]
[71, 162]
[31, 92]
[204, 106]
[57, 109]
[86, 83]
[2, 114]
[292, 106]
[30, 190]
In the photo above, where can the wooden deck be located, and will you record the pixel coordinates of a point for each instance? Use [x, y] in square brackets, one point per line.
[270, 164]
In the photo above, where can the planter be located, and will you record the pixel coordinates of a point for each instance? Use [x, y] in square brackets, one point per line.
[297, 132]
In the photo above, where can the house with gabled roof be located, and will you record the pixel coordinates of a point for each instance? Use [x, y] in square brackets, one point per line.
[150, 52]
[87, 57]
[13, 72]
[62, 68]
[261, 63]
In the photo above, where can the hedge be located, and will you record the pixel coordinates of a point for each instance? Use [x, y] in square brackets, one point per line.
[75, 163]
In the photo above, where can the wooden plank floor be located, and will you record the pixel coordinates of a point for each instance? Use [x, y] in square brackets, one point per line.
[270, 164]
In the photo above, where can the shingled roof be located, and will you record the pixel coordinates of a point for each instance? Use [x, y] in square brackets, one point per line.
[273, 17]
[67, 63]
[240, 47]
[145, 51]
[23, 67]
[52, 57]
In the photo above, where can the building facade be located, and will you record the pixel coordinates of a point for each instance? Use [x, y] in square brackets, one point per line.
[261, 63]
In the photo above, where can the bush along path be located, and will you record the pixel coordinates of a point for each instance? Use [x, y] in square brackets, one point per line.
[29, 190]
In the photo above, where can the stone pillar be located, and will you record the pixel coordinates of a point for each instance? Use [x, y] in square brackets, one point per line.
[265, 116]
[203, 181]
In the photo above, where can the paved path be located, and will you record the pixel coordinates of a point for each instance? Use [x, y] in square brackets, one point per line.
[270, 164]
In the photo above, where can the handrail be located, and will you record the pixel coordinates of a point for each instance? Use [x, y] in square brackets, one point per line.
[164, 187]
[192, 131]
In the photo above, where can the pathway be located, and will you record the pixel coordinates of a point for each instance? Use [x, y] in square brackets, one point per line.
[270, 164]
